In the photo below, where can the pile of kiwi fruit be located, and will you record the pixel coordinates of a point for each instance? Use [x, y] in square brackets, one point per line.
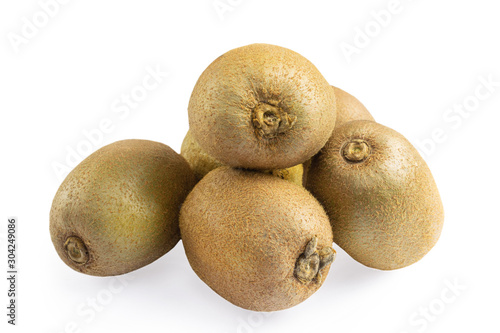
[276, 168]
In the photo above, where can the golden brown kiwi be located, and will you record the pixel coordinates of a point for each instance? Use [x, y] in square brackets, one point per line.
[202, 163]
[260, 242]
[261, 107]
[118, 209]
[381, 198]
[348, 108]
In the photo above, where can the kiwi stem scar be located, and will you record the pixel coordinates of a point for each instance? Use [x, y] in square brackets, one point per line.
[270, 120]
[309, 265]
[76, 250]
[356, 151]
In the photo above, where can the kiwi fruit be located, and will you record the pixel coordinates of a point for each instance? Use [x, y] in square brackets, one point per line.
[260, 242]
[202, 163]
[349, 108]
[293, 174]
[381, 198]
[261, 106]
[118, 209]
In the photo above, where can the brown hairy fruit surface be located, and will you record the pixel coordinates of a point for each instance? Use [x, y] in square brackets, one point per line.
[348, 108]
[202, 163]
[262, 107]
[379, 193]
[118, 209]
[260, 242]
[293, 174]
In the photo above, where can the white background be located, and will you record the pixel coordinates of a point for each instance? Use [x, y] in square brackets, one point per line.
[70, 74]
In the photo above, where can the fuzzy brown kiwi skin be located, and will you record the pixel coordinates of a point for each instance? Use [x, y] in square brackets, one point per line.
[262, 107]
[384, 207]
[251, 237]
[118, 210]
[202, 163]
[348, 108]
